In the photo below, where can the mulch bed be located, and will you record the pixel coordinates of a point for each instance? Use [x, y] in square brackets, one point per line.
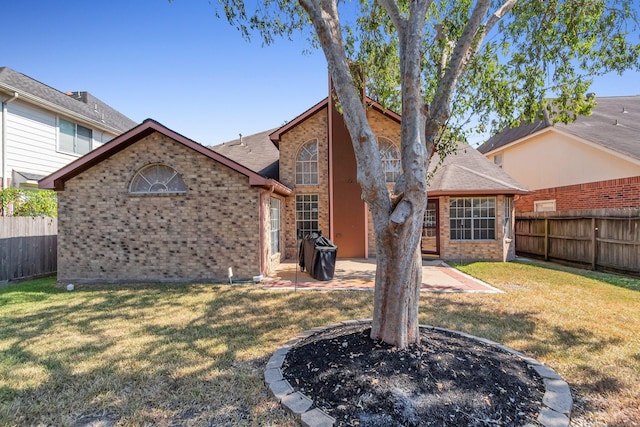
[446, 380]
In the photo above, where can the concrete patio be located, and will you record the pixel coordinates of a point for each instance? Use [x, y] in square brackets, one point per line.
[359, 274]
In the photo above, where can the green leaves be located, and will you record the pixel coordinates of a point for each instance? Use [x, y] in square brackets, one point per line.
[541, 49]
[18, 202]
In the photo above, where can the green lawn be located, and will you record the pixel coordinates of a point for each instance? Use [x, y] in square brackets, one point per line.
[195, 354]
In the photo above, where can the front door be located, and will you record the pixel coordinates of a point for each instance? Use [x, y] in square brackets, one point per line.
[430, 243]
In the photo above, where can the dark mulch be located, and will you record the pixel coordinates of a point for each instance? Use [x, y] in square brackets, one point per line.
[446, 380]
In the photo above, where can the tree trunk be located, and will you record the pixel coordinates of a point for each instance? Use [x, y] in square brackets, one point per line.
[397, 289]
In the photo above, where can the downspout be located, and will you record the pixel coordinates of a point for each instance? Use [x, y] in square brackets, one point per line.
[4, 183]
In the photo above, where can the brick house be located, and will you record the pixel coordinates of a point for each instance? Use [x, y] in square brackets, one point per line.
[164, 208]
[592, 163]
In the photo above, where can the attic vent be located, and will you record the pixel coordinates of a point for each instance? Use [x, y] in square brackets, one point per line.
[624, 110]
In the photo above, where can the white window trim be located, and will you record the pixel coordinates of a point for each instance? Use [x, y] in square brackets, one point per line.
[317, 213]
[92, 142]
[472, 218]
[538, 205]
[275, 205]
[140, 171]
[317, 163]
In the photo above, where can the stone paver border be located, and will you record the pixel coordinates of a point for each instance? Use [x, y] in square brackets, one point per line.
[556, 402]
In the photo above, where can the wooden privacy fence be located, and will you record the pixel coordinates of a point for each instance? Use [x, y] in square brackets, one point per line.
[28, 247]
[601, 239]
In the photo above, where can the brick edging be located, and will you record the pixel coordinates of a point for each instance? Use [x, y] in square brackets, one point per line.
[556, 402]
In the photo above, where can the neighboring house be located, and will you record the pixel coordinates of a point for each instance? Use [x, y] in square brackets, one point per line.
[43, 129]
[591, 163]
[165, 208]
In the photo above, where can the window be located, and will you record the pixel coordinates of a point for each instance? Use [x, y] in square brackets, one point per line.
[157, 179]
[497, 159]
[544, 206]
[508, 208]
[275, 225]
[390, 156]
[473, 218]
[73, 138]
[307, 164]
[306, 214]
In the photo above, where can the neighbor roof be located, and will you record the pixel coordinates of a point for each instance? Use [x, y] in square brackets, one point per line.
[56, 180]
[79, 104]
[256, 152]
[468, 172]
[613, 124]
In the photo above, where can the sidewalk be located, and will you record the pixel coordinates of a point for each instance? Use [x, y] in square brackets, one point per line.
[359, 274]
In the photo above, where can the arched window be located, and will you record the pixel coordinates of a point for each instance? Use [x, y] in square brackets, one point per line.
[157, 179]
[390, 156]
[307, 164]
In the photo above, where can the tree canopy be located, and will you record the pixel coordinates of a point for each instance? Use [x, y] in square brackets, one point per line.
[540, 54]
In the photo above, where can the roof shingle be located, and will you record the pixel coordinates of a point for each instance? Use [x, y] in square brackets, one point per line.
[82, 103]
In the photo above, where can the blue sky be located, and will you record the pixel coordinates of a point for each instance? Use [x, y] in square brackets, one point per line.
[176, 63]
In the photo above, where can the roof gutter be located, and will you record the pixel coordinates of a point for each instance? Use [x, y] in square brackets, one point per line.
[3, 158]
[50, 105]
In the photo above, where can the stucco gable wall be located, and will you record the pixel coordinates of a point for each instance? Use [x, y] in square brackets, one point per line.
[107, 234]
[552, 159]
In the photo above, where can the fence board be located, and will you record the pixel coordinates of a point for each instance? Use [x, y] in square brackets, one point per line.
[28, 247]
[599, 239]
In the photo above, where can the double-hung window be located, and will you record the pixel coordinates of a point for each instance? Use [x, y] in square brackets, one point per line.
[306, 214]
[274, 212]
[508, 208]
[390, 156]
[73, 138]
[307, 164]
[473, 218]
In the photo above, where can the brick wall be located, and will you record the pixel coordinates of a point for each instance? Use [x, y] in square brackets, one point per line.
[314, 128]
[107, 234]
[500, 249]
[614, 193]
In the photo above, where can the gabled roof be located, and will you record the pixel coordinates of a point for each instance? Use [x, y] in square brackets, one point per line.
[256, 152]
[468, 172]
[81, 105]
[277, 134]
[56, 180]
[614, 124]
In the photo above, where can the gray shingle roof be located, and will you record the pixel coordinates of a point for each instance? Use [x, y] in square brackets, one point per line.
[468, 171]
[255, 152]
[82, 103]
[614, 124]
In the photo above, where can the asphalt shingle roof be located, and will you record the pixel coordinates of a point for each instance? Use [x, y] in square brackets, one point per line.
[614, 124]
[468, 171]
[465, 172]
[82, 103]
[255, 152]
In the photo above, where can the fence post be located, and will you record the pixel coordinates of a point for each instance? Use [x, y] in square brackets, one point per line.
[594, 244]
[546, 239]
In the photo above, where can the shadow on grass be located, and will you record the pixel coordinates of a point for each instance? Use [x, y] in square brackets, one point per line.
[623, 281]
[145, 354]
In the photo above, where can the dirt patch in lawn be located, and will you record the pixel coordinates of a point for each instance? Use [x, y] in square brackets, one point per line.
[446, 380]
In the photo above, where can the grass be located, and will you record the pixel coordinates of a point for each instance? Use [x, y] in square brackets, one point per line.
[195, 354]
